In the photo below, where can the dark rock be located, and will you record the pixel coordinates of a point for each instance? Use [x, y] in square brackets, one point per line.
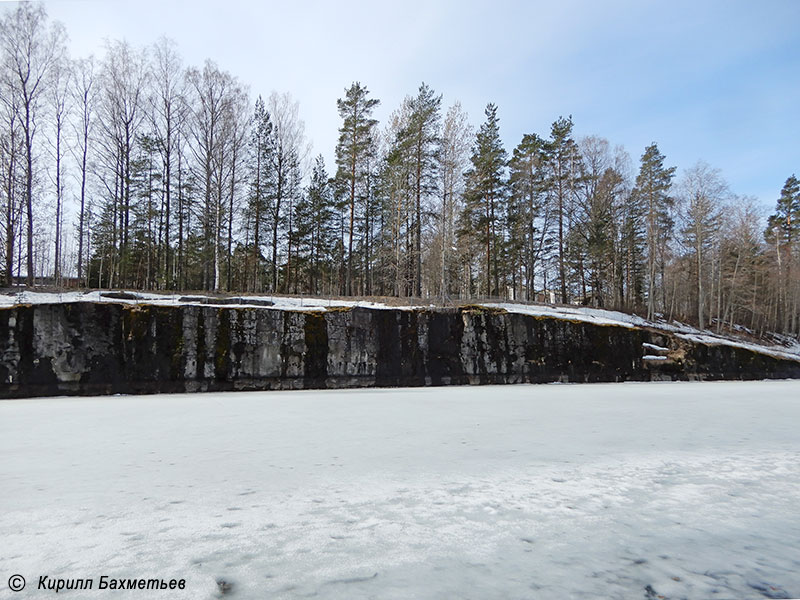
[226, 301]
[108, 348]
[120, 295]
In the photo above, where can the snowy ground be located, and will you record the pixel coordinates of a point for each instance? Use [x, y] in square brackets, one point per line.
[676, 490]
[307, 303]
[599, 316]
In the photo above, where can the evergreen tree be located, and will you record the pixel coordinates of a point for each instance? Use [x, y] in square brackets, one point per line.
[529, 223]
[485, 195]
[632, 249]
[420, 139]
[146, 182]
[315, 228]
[353, 151]
[652, 195]
[563, 166]
[783, 233]
[260, 188]
[783, 227]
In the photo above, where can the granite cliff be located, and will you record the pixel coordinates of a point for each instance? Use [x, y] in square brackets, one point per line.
[109, 348]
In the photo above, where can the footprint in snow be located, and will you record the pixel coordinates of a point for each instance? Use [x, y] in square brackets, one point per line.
[769, 591]
[353, 579]
[224, 586]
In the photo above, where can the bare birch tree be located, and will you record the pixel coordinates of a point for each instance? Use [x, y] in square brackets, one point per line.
[30, 47]
[60, 105]
[123, 80]
[213, 95]
[702, 192]
[167, 105]
[289, 152]
[84, 96]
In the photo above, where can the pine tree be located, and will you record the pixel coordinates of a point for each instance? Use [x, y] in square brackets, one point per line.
[652, 194]
[485, 196]
[529, 224]
[315, 228]
[353, 151]
[420, 139]
[784, 225]
[632, 250]
[260, 188]
[146, 184]
[563, 166]
[783, 232]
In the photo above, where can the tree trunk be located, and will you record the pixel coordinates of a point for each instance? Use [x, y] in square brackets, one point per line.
[29, 190]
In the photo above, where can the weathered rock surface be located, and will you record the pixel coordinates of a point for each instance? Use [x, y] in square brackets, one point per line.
[108, 348]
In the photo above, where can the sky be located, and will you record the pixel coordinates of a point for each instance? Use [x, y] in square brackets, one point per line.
[717, 81]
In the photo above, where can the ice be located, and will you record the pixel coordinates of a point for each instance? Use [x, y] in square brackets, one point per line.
[571, 491]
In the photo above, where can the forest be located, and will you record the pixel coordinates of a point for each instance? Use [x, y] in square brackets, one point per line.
[134, 170]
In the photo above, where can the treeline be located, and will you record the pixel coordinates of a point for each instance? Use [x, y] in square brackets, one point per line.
[135, 170]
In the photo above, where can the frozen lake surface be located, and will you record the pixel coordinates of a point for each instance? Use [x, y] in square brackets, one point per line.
[679, 490]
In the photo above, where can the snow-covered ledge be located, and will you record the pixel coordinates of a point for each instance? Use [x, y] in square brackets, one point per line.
[137, 344]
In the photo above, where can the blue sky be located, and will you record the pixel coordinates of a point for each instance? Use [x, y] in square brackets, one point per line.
[711, 80]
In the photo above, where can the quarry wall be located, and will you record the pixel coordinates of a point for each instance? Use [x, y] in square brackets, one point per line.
[109, 348]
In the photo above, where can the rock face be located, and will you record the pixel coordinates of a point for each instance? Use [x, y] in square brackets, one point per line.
[106, 348]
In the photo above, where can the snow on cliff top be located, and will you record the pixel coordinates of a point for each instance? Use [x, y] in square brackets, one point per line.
[187, 299]
[583, 314]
